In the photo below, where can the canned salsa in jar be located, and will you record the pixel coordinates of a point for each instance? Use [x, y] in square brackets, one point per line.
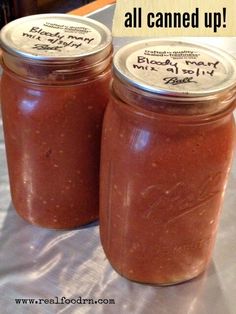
[167, 146]
[54, 92]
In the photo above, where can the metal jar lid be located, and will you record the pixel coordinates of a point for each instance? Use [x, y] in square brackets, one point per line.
[174, 68]
[56, 37]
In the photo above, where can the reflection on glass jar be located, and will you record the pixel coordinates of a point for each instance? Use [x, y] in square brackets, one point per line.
[166, 155]
[54, 92]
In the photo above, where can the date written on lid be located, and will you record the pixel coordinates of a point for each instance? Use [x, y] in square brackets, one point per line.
[54, 35]
[175, 68]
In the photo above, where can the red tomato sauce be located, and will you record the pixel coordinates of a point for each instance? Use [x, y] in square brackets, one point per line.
[52, 136]
[161, 190]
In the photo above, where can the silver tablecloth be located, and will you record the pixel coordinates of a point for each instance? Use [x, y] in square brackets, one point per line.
[38, 263]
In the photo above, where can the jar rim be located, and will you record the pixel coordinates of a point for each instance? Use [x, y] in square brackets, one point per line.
[50, 74]
[161, 112]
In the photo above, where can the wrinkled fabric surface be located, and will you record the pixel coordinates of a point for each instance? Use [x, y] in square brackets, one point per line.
[39, 263]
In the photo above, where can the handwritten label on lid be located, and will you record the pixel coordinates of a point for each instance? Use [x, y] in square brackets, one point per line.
[55, 38]
[174, 68]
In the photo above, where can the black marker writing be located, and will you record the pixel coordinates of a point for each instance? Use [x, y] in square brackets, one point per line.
[40, 31]
[36, 37]
[202, 63]
[146, 68]
[55, 40]
[85, 39]
[142, 59]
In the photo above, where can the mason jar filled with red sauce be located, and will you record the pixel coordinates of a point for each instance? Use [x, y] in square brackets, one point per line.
[56, 73]
[167, 146]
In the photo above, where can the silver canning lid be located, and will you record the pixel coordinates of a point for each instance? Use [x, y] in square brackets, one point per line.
[57, 37]
[174, 68]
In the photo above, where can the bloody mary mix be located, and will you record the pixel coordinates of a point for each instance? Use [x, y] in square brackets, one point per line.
[167, 146]
[54, 92]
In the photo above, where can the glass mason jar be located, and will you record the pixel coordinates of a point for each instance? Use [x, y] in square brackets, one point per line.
[54, 92]
[166, 156]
